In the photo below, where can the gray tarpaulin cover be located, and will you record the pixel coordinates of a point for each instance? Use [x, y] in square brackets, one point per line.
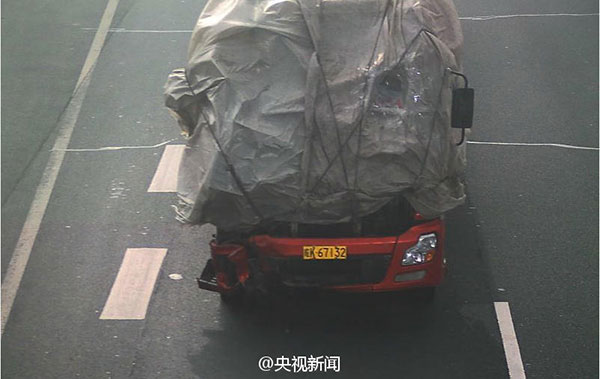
[318, 111]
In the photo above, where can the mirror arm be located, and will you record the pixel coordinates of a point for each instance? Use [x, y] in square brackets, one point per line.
[462, 137]
[462, 76]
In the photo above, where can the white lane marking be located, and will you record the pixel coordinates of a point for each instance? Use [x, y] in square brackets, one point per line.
[165, 177]
[505, 16]
[99, 38]
[122, 30]
[66, 124]
[509, 340]
[132, 289]
[466, 18]
[561, 145]
[113, 148]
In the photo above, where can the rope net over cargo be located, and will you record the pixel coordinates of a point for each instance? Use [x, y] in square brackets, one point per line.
[317, 112]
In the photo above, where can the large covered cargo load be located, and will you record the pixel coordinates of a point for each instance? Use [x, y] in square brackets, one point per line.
[318, 111]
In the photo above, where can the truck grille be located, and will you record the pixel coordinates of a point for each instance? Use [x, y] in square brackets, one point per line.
[357, 269]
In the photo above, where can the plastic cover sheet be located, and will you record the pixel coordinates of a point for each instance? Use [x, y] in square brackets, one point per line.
[317, 111]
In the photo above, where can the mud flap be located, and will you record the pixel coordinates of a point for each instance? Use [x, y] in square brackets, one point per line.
[227, 270]
[208, 278]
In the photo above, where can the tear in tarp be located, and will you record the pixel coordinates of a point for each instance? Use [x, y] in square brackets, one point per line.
[317, 111]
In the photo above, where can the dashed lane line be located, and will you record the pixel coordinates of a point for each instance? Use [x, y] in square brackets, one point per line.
[66, 124]
[509, 340]
[165, 177]
[132, 289]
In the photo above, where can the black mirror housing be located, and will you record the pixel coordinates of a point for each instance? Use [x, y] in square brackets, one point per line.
[462, 108]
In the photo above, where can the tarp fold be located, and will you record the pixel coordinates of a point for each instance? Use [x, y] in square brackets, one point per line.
[317, 111]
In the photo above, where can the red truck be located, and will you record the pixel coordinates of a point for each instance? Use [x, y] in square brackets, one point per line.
[392, 252]
[312, 127]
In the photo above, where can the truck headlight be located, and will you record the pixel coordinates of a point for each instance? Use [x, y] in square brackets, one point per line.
[422, 252]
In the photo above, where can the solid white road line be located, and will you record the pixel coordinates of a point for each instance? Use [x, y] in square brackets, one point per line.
[509, 340]
[66, 124]
[492, 17]
[99, 38]
[466, 18]
[123, 30]
[113, 148]
[165, 178]
[561, 145]
[131, 292]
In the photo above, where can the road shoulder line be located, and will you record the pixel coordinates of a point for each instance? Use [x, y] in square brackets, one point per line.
[31, 226]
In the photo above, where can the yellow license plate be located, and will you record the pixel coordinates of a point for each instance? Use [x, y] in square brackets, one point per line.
[324, 252]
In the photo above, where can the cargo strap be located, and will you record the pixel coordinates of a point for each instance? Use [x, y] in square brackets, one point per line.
[342, 145]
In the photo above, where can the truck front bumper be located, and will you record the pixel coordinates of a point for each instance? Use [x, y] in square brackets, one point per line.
[373, 264]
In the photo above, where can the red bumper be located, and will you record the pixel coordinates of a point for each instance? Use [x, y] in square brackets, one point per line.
[396, 276]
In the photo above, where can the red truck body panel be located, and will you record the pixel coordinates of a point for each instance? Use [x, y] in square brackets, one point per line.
[290, 249]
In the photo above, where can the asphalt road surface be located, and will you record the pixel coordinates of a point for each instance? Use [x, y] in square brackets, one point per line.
[528, 235]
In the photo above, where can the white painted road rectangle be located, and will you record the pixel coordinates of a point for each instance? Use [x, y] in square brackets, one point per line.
[131, 292]
[165, 178]
[509, 340]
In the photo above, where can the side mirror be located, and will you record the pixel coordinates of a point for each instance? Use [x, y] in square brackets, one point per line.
[462, 108]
